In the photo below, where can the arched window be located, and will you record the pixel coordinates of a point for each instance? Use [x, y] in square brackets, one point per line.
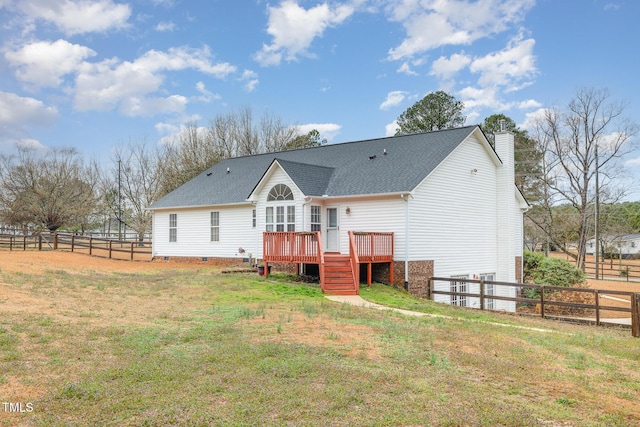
[280, 192]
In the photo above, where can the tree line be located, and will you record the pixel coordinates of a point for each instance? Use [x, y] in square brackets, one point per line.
[568, 167]
[57, 188]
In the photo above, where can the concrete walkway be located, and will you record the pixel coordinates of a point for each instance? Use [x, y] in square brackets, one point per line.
[358, 301]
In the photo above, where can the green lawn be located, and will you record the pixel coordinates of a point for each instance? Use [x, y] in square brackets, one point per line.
[187, 348]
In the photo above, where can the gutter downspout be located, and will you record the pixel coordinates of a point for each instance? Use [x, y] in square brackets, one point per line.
[257, 237]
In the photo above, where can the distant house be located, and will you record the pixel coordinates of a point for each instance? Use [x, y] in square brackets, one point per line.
[627, 246]
[398, 209]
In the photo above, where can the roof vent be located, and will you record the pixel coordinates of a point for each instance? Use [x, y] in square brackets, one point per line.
[209, 174]
[372, 157]
[385, 152]
[228, 170]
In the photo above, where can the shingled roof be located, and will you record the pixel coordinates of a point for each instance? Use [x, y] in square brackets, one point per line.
[376, 166]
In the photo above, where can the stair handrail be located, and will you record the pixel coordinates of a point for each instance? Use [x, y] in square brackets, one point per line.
[320, 260]
[355, 261]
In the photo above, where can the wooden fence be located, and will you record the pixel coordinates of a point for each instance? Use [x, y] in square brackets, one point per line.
[610, 268]
[587, 305]
[133, 250]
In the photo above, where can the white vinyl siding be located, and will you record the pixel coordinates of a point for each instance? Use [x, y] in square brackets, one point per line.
[379, 214]
[194, 233]
[453, 214]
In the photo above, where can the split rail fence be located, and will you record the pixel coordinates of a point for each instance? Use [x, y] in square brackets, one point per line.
[133, 250]
[552, 302]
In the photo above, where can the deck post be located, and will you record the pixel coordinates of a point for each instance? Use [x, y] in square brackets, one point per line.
[266, 269]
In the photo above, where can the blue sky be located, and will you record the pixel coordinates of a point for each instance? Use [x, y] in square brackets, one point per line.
[94, 74]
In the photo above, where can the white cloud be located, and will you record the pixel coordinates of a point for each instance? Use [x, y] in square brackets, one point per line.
[44, 63]
[446, 68]
[633, 162]
[165, 26]
[18, 113]
[15, 109]
[251, 80]
[507, 67]
[206, 96]
[393, 99]
[532, 117]
[327, 131]
[433, 23]
[391, 128]
[405, 68]
[529, 104]
[294, 29]
[107, 84]
[135, 106]
[78, 17]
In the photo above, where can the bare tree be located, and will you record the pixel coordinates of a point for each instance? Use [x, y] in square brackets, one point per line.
[193, 151]
[138, 184]
[586, 140]
[196, 149]
[50, 189]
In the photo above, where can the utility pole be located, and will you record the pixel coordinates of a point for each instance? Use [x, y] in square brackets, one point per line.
[597, 217]
[119, 200]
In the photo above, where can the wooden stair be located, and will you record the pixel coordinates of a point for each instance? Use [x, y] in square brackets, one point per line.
[338, 275]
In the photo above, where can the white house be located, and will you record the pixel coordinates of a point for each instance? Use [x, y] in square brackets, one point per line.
[410, 207]
[627, 246]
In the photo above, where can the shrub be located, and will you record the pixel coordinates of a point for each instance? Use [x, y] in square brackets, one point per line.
[542, 270]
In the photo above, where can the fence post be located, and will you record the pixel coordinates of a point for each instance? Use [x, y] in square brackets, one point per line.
[635, 315]
[10, 243]
[39, 242]
[90, 244]
[542, 301]
[430, 284]
[73, 239]
[596, 293]
[481, 294]
[24, 242]
[131, 251]
[110, 246]
[55, 240]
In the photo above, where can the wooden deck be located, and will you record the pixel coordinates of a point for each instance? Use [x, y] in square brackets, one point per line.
[341, 274]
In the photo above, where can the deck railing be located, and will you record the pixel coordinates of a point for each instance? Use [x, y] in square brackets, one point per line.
[373, 246]
[300, 247]
[369, 248]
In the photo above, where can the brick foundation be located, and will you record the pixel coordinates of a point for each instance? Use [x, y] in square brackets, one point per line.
[419, 274]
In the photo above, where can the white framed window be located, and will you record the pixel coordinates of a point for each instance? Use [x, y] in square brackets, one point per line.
[315, 218]
[173, 227]
[269, 218]
[291, 218]
[280, 217]
[215, 226]
[459, 286]
[489, 289]
[280, 192]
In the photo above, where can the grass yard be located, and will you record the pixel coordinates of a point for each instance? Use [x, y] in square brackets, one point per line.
[86, 341]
